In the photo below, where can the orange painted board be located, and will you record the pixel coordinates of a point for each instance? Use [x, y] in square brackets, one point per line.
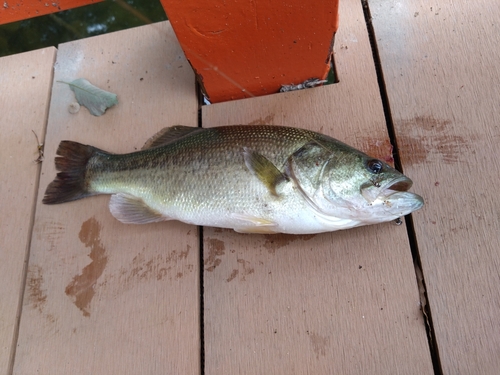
[242, 49]
[17, 10]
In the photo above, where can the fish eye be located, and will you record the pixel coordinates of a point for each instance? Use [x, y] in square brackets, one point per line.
[375, 166]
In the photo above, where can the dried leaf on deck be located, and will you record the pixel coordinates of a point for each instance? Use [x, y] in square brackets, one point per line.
[93, 98]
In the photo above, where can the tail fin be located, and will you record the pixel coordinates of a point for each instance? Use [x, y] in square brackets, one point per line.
[70, 183]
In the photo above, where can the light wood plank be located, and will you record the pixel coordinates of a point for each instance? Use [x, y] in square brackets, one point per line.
[103, 297]
[336, 303]
[25, 81]
[440, 62]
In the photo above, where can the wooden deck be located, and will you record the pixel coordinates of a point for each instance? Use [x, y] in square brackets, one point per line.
[82, 293]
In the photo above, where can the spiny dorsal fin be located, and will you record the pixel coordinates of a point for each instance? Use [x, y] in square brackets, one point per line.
[132, 210]
[169, 134]
[265, 171]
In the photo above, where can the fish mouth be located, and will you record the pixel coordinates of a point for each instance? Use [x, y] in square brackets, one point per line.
[398, 200]
[372, 192]
[400, 184]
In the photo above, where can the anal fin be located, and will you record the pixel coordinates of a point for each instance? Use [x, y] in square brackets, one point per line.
[132, 210]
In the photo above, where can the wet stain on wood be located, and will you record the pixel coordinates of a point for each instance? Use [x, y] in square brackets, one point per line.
[233, 275]
[268, 120]
[276, 241]
[428, 123]
[82, 288]
[244, 270]
[215, 250]
[149, 266]
[36, 295]
[446, 149]
[319, 344]
[437, 143]
[157, 267]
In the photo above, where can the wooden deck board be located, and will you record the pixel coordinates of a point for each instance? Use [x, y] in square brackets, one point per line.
[103, 297]
[25, 81]
[442, 74]
[336, 303]
[272, 304]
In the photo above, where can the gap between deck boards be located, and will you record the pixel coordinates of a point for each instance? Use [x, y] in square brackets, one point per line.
[410, 228]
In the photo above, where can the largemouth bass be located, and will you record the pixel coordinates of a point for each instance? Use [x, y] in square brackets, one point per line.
[253, 179]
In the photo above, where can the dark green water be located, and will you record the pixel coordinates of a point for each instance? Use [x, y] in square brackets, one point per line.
[83, 22]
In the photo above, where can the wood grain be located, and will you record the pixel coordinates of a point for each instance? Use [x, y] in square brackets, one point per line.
[440, 63]
[24, 100]
[103, 297]
[337, 303]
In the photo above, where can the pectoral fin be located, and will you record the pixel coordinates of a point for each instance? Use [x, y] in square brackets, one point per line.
[265, 171]
[132, 210]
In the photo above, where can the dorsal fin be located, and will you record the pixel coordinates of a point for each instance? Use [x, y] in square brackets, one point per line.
[265, 171]
[169, 134]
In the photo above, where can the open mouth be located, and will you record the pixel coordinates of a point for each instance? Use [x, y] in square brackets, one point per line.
[394, 197]
[398, 200]
[399, 184]
[370, 192]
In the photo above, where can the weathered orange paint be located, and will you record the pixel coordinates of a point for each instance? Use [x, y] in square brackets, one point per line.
[17, 10]
[244, 48]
